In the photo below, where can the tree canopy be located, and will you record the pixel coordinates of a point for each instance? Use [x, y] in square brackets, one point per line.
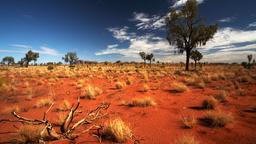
[186, 30]
[71, 58]
[8, 59]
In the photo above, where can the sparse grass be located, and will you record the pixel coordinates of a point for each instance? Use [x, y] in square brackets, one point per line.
[189, 121]
[91, 92]
[63, 106]
[140, 102]
[117, 131]
[144, 88]
[44, 102]
[119, 85]
[179, 87]
[186, 140]
[210, 103]
[216, 119]
[29, 133]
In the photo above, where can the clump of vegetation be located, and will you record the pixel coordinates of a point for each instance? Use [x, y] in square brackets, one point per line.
[145, 88]
[210, 103]
[119, 85]
[216, 119]
[179, 87]
[44, 102]
[117, 131]
[91, 92]
[186, 140]
[50, 67]
[64, 106]
[189, 121]
[221, 97]
[140, 102]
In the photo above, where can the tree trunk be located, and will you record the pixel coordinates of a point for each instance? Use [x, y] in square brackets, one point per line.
[195, 64]
[187, 59]
[150, 63]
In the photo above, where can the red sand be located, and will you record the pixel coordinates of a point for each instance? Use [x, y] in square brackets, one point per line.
[150, 125]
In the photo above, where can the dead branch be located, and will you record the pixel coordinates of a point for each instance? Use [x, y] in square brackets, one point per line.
[70, 116]
[66, 128]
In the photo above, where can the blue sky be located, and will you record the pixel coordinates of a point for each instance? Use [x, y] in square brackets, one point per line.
[110, 30]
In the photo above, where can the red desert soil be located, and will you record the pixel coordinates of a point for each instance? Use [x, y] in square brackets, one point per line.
[160, 124]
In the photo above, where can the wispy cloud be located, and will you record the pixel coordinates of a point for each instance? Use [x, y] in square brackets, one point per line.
[21, 46]
[121, 33]
[252, 25]
[179, 3]
[226, 20]
[48, 51]
[112, 46]
[42, 50]
[145, 21]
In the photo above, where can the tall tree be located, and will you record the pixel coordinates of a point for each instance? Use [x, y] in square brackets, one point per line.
[143, 56]
[186, 30]
[70, 58]
[30, 56]
[249, 57]
[196, 56]
[149, 57]
[8, 59]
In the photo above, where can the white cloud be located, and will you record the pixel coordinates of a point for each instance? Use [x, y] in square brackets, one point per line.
[148, 22]
[112, 46]
[11, 51]
[226, 20]
[121, 33]
[41, 50]
[179, 3]
[252, 24]
[47, 51]
[228, 36]
[21, 46]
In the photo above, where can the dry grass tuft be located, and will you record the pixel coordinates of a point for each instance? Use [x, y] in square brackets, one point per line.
[216, 119]
[221, 97]
[179, 87]
[186, 140]
[91, 92]
[119, 85]
[44, 102]
[140, 102]
[189, 121]
[145, 88]
[117, 131]
[63, 106]
[209, 103]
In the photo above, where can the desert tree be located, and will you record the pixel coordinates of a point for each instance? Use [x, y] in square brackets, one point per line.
[196, 56]
[150, 57]
[143, 56]
[8, 59]
[186, 30]
[70, 58]
[249, 57]
[30, 56]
